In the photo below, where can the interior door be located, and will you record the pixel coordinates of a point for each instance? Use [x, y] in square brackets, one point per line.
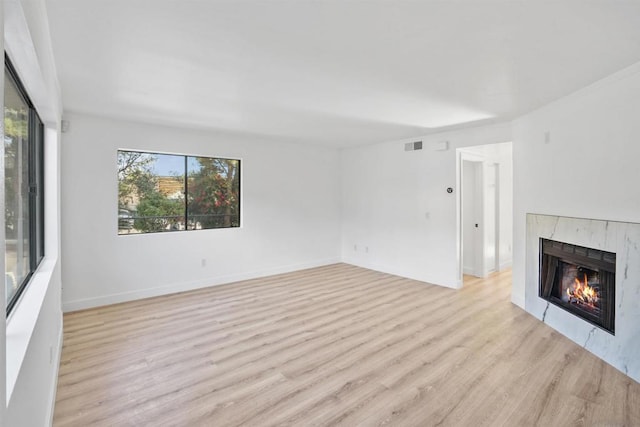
[472, 238]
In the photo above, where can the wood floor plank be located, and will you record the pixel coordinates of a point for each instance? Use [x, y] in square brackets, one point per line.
[335, 345]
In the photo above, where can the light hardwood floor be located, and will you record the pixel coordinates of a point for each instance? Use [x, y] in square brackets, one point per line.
[336, 345]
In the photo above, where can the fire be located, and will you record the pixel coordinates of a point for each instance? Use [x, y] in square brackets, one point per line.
[582, 293]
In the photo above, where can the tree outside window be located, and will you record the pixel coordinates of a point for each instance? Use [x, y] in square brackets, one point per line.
[154, 196]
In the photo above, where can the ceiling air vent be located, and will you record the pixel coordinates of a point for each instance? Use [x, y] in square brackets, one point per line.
[413, 146]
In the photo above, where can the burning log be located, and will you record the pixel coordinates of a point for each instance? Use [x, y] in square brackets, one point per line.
[583, 294]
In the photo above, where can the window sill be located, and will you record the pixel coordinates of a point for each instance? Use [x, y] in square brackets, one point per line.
[22, 321]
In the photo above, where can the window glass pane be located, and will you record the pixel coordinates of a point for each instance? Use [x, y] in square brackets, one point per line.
[152, 189]
[213, 191]
[38, 162]
[16, 160]
[150, 192]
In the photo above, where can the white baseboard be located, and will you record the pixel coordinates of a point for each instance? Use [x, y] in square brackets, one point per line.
[397, 272]
[505, 265]
[518, 300]
[102, 300]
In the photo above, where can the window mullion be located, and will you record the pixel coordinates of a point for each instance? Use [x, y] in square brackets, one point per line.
[186, 193]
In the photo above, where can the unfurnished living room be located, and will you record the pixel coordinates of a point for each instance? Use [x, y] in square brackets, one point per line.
[321, 212]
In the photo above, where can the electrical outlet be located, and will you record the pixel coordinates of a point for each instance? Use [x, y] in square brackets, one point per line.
[366, 249]
[203, 262]
[355, 248]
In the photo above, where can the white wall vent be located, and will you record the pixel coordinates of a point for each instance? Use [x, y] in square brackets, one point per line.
[413, 146]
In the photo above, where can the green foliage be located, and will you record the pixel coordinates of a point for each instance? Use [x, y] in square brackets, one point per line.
[156, 212]
[214, 193]
[15, 124]
[134, 177]
[15, 132]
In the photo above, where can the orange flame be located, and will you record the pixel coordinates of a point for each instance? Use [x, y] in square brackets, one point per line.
[582, 293]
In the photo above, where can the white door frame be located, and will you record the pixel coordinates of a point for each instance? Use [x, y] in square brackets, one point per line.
[487, 269]
[472, 157]
[498, 235]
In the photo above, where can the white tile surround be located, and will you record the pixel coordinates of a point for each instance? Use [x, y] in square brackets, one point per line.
[622, 350]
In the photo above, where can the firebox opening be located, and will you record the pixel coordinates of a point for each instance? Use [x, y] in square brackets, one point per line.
[579, 280]
[580, 286]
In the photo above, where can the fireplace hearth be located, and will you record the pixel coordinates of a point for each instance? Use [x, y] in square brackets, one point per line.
[579, 280]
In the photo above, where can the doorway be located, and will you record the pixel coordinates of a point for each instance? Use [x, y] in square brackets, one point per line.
[485, 209]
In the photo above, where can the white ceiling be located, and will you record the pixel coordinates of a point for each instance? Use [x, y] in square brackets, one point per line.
[334, 72]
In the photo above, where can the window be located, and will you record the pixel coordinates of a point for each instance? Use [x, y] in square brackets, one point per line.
[23, 186]
[168, 192]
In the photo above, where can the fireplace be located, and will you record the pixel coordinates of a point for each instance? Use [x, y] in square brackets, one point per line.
[580, 280]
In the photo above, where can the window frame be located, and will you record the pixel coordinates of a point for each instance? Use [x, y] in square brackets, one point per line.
[186, 211]
[35, 194]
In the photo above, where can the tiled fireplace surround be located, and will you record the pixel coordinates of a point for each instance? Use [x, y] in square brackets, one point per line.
[622, 350]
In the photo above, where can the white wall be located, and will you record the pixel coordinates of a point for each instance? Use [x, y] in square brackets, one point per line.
[505, 159]
[395, 205]
[589, 168]
[34, 328]
[290, 214]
